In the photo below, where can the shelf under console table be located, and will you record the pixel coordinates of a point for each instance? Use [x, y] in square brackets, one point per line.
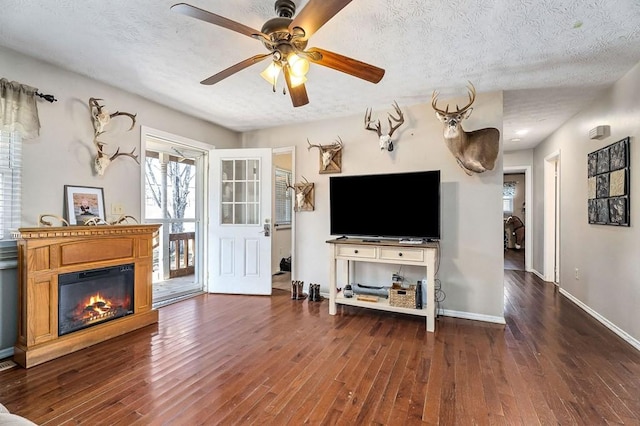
[383, 251]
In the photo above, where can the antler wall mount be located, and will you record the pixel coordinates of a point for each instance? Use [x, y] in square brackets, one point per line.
[286, 38]
[330, 156]
[385, 139]
[475, 151]
[304, 195]
[100, 118]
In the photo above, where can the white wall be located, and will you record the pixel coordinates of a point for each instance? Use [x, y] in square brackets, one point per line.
[523, 157]
[471, 268]
[606, 256]
[63, 153]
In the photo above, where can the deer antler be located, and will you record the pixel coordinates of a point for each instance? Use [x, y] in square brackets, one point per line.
[337, 144]
[127, 154]
[399, 120]
[472, 98]
[367, 123]
[289, 186]
[313, 146]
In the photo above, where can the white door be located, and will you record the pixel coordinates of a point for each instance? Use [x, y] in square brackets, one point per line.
[240, 221]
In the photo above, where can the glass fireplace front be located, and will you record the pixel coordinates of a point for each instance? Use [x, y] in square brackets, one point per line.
[88, 298]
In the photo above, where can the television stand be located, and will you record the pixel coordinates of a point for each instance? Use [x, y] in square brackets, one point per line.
[383, 251]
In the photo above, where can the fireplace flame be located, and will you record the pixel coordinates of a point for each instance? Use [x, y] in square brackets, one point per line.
[99, 304]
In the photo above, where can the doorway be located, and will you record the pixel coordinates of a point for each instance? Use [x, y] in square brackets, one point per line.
[517, 218]
[174, 175]
[282, 261]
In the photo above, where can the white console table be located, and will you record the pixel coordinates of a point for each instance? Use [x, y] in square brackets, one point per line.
[383, 251]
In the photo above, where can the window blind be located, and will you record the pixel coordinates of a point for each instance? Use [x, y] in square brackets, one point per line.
[283, 198]
[10, 182]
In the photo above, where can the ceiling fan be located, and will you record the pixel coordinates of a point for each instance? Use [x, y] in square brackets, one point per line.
[286, 39]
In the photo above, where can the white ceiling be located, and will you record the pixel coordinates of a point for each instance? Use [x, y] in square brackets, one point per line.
[551, 57]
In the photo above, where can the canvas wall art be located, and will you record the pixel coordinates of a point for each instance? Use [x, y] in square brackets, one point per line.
[608, 184]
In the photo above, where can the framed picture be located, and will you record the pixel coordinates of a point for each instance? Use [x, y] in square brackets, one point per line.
[608, 185]
[83, 203]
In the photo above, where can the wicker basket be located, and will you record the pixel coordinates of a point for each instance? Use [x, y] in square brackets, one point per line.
[402, 297]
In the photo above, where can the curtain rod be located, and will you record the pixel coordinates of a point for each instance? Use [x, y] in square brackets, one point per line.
[49, 98]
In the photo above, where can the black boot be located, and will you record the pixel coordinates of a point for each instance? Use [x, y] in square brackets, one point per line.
[312, 292]
[294, 290]
[301, 294]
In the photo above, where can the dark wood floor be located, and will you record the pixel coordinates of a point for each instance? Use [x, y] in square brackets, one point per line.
[270, 360]
[514, 259]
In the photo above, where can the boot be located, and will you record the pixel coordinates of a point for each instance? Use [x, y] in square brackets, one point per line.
[312, 292]
[300, 291]
[318, 296]
[294, 290]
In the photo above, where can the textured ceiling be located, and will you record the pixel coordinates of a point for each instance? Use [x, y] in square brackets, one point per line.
[551, 57]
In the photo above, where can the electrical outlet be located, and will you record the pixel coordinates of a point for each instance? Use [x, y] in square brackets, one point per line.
[577, 274]
[117, 208]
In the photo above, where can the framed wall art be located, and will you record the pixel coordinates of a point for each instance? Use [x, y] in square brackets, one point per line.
[83, 203]
[608, 184]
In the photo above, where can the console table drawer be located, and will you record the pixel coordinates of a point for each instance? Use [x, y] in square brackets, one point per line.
[361, 252]
[405, 254]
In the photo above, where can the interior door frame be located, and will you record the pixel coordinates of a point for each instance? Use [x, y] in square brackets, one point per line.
[551, 252]
[528, 216]
[292, 151]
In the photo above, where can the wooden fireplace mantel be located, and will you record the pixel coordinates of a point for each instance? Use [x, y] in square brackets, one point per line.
[43, 253]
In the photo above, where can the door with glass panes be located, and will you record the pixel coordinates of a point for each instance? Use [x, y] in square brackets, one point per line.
[240, 221]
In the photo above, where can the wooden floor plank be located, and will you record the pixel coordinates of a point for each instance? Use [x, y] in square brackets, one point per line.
[230, 359]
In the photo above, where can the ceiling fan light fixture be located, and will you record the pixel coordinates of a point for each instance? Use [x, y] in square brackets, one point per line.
[299, 66]
[297, 80]
[271, 73]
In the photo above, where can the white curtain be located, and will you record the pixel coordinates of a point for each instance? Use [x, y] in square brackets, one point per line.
[18, 109]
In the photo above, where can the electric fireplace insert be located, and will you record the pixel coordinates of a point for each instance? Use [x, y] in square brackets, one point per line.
[91, 297]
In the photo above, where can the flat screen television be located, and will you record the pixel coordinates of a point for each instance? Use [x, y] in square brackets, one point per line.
[394, 205]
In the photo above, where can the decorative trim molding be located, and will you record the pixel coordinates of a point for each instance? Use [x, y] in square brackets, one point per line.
[611, 326]
[472, 316]
[83, 231]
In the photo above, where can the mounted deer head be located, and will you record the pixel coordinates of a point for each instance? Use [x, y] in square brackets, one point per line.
[330, 156]
[475, 151]
[385, 140]
[100, 117]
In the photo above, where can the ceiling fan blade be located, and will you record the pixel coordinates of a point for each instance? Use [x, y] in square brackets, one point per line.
[315, 14]
[234, 69]
[346, 65]
[212, 18]
[299, 93]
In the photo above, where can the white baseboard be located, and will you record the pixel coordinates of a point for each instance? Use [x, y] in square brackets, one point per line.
[611, 326]
[472, 316]
[6, 353]
[538, 274]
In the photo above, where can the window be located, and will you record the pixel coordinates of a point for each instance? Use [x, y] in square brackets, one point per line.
[508, 193]
[507, 205]
[10, 182]
[283, 198]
